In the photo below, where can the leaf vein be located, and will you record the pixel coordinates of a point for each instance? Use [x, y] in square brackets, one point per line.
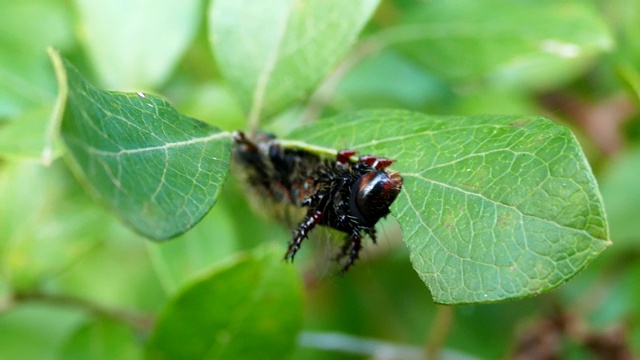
[448, 186]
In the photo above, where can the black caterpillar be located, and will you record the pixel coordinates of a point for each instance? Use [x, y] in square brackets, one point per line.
[347, 196]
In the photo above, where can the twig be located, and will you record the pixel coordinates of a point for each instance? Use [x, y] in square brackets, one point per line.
[439, 331]
[138, 321]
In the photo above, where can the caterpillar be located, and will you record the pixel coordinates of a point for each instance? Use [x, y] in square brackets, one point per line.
[345, 195]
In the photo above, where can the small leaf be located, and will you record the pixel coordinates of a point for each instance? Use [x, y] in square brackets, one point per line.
[102, 339]
[213, 239]
[273, 52]
[136, 44]
[625, 17]
[23, 335]
[26, 29]
[504, 43]
[492, 207]
[249, 310]
[389, 79]
[26, 136]
[42, 230]
[158, 169]
[620, 187]
[631, 77]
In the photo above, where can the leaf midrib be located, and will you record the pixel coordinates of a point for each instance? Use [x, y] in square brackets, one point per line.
[265, 75]
[164, 147]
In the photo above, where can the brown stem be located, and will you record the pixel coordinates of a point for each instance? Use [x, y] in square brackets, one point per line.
[439, 331]
[138, 321]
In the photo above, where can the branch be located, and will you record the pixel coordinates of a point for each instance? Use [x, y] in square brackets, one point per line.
[138, 321]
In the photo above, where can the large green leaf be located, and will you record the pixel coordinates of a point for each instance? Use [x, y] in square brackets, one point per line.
[504, 43]
[272, 52]
[136, 43]
[158, 169]
[251, 309]
[492, 207]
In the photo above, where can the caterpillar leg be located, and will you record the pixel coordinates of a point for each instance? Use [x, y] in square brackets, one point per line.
[351, 250]
[301, 232]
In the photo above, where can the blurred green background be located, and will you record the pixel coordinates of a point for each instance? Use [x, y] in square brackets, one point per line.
[74, 281]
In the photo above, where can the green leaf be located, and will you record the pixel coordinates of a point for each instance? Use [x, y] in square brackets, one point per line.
[102, 339]
[621, 192]
[26, 136]
[42, 230]
[136, 44]
[389, 79]
[624, 16]
[504, 43]
[273, 52]
[118, 273]
[35, 330]
[248, 310]
[492, 207]
[631, 77]
[158, 169]
[26, 29]
[213, 239]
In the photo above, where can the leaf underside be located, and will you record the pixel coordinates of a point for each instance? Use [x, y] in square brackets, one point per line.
[492, 207]
[157, 169]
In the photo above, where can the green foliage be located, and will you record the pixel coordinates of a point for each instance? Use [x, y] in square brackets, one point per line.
[252, 305]
[622, 205]
[143, 60]
[158, 169]
[273, 52]
[552, 40]
[42, 228]
[493, 207]
[101, 339]
[27, 82]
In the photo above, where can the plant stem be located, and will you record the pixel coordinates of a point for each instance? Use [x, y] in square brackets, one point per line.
[439, 331]
[138, 321]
